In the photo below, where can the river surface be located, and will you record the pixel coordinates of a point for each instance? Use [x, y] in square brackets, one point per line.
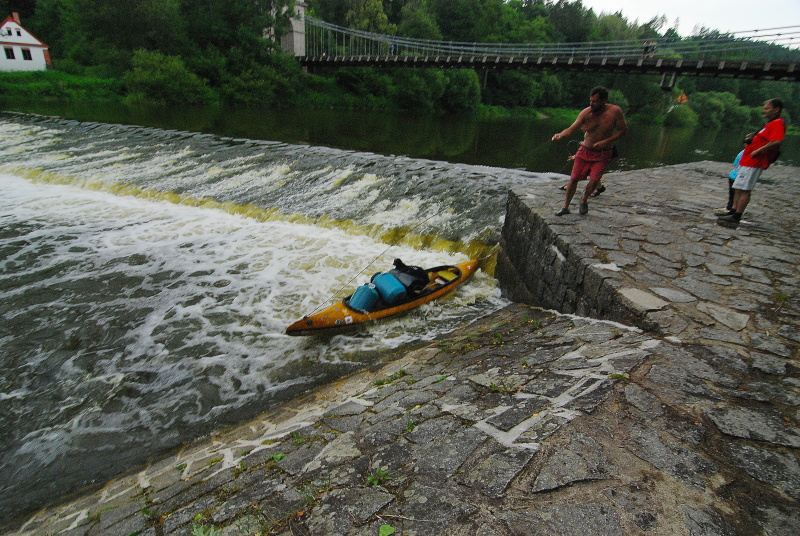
[520, 143]
[147, 273]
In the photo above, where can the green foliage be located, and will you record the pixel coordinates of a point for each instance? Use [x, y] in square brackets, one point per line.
[717, 109]
[386, 530]
[613, 28]
[572, 21]
[364, 81]
[615, 96]
[378, 478]
[299, 439]
[394, 377]
[681, 116]
[462, 92]
[368, 15]
[198, 529]
[419, 89]
[263, 84]
[59, 85]
[418, 21]
[160, 78]
[512, 88]
[206, 50]
[553, 93]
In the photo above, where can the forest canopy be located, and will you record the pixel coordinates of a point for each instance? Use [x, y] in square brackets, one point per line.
[228, 51]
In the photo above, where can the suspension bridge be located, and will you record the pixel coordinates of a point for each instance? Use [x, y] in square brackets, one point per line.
[330, 45]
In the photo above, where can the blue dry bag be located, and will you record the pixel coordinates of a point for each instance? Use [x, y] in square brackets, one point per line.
[392, 291]
[365, 298]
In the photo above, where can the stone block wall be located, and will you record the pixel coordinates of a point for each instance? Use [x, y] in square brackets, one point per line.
[550, 266]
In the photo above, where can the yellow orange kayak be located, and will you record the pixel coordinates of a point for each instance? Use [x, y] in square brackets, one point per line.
[441, 280]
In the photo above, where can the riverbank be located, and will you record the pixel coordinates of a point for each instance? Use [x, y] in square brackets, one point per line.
[530, 421]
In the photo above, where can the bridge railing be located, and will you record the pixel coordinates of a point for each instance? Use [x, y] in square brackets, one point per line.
[326, 39]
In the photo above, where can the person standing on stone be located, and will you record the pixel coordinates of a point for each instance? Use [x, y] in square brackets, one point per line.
[602, 125]
[728, 210]
[757, 156]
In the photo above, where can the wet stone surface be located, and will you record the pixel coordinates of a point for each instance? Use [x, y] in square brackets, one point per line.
[669, 407]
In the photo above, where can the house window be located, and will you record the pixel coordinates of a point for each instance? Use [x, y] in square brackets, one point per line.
[26, 54]
[19, 32]
[9, 53]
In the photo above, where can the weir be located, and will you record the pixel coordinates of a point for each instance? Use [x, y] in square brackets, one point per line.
[530, 421]
[154, 272]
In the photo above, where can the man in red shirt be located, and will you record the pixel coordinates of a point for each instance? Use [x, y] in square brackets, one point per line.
[757, 157]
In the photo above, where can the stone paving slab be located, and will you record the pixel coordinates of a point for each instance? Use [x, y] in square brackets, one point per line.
[532, 422]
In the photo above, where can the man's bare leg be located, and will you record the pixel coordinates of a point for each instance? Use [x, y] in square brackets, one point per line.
[590, 188]
[740, 200]
[572, 186]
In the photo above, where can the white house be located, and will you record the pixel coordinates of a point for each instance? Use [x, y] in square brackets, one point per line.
[22, 51]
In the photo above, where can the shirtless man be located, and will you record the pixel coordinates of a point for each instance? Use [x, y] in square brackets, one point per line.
[602, 124]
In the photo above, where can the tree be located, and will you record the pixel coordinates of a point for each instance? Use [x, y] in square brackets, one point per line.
[456, 19]
[160, 78]
[718, 109]
[108, 31]
[419, 89]
[333, 11]
[417, 21]
[572, 21]
[462, 91]
[50, 24]
[613, 28]
[228, 38]
[681, 116]
[368, 15]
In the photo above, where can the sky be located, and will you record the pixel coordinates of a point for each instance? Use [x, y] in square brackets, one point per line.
[723, 15]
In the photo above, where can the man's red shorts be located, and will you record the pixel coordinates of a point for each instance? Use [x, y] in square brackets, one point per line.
[590, 163]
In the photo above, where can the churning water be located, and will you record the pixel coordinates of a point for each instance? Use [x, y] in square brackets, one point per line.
[147, 277]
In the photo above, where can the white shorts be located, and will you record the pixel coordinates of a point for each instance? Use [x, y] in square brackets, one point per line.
[747, 178]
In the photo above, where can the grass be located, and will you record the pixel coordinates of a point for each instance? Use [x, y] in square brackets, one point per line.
[394, 377]
[502, 388]
[58, 85]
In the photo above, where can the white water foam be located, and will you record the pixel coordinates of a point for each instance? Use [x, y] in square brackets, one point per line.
[158, 320]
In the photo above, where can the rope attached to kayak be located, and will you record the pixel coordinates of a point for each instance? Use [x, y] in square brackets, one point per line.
[570, 155]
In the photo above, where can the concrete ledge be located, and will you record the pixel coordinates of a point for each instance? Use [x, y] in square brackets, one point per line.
[650, 252]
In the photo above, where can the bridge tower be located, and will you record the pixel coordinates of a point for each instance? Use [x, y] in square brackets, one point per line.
[294, 41]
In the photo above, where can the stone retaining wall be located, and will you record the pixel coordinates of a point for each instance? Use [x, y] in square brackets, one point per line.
[542, 266]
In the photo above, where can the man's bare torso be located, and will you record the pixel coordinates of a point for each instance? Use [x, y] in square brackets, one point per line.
[598, 126]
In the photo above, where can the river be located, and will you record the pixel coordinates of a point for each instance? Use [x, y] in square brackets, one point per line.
[147, 272]
[522, 143]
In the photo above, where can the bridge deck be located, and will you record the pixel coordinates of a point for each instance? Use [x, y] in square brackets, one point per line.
[727, 68]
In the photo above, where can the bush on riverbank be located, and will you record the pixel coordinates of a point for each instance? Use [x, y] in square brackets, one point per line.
[718, 109]
[165, 79]
[681, 116]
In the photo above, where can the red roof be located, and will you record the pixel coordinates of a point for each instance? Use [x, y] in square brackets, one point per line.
[16, 21]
